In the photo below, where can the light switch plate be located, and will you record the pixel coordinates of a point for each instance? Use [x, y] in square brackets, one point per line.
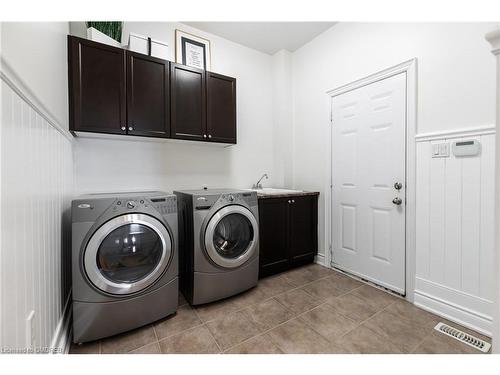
[440, 150]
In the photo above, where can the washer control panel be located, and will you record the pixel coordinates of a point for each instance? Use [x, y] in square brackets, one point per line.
[164, 205]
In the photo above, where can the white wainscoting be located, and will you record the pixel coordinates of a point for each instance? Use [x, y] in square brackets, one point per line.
[455, 230]
[36, 188]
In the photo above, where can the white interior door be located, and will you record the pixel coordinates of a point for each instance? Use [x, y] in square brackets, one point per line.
[368, 151]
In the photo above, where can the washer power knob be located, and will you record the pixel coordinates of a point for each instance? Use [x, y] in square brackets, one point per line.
[231, 198]
[130, 204]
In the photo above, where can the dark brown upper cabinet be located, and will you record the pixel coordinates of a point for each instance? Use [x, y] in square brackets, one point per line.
[288, 232]
[115, 91]
[188, 103]
[148, 92]
[96, 87]
[221, 108]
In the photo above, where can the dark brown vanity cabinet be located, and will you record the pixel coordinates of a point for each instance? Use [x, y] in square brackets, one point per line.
[221, 108]
[188, 95]
[288, 231]
[96, 87]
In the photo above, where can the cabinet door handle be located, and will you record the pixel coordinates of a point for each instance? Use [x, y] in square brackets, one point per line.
[210, 136]
[123, 128]
[289, 201]
[293, 200]
[130, 128]
[204, 136]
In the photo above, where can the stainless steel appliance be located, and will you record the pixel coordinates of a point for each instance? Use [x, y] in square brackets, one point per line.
[218, 242]
[125, 262]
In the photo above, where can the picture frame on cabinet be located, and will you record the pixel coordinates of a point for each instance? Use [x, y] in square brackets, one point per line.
[192, 50]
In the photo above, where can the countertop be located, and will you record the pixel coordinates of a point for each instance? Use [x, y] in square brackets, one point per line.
[298, 193]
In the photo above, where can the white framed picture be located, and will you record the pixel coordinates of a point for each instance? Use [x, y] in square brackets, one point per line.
[192, 50]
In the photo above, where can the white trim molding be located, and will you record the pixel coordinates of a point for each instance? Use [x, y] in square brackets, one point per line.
[320, 259]
[410, 68]
[443, 301]
[16, 83]
[493, 38]
[456, 133]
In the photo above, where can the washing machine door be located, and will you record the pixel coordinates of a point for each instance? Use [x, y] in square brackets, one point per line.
[231, 236]
[127, 254]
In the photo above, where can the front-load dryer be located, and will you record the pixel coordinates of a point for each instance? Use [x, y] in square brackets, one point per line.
[125, 262]
[218, 242]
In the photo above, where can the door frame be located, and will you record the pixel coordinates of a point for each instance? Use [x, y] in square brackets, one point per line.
[410, 68]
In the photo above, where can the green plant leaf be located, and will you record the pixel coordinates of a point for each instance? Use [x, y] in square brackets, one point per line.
[113, 29]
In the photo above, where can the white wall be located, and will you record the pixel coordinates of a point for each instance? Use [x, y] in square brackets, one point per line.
[456, 90]
[36, 51]
[455, 85]
[283, 116]
[36, 183]
[455, 273]
[117, 165]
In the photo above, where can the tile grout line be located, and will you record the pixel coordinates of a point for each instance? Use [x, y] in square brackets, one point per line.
[208, 329]
[286, 321]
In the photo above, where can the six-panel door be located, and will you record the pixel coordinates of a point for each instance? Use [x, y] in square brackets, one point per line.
[368, 211]
[97, 87]
[148, 95]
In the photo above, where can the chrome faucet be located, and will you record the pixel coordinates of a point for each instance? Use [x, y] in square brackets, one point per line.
[258, 185]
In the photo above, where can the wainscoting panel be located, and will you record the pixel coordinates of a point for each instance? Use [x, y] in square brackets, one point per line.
[36, 188]
[455, 233]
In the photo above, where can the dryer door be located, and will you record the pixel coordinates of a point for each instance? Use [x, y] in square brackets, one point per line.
[231, 236]
[127, 254]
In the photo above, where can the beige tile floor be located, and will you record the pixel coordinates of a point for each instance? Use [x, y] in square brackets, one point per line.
[308, 310]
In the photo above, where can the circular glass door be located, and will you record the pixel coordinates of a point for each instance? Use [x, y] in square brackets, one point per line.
[231, 236]
[127, 254]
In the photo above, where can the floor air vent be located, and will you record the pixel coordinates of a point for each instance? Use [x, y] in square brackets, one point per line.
[463, 337]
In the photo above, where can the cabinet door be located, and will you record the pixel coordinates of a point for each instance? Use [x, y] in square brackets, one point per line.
[303, 230]
[273, 230]
[96, 87]
[148, 95]
[188, 102]
[221, 108]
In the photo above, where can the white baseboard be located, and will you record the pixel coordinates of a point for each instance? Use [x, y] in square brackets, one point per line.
[62, 335]
[320, 259]
[455, 313]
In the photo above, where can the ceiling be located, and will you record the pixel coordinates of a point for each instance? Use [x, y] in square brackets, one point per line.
[268, 37]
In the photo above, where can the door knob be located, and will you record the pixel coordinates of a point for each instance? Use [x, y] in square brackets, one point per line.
[398, 185]
[397, 201]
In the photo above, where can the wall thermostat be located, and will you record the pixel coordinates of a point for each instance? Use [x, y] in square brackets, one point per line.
[466, 148]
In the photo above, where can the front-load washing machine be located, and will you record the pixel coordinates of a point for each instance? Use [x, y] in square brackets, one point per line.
[125, 262]
[218, 242]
